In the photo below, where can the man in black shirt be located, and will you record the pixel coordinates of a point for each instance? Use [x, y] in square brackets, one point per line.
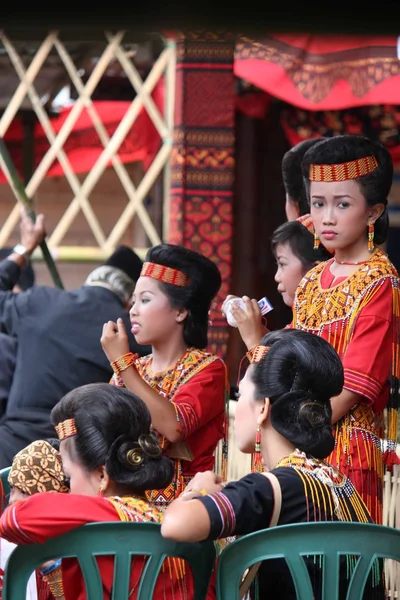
[58, 338]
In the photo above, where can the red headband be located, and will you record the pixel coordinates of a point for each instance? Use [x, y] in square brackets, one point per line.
[66, 429]
[257, 353]
[306, 220]
[164, 274]
[344, 171]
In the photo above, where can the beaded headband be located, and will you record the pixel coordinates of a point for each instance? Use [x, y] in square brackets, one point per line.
[164, 274]
[257, 353]
[344, 171]
[306, 220]
[66, 429]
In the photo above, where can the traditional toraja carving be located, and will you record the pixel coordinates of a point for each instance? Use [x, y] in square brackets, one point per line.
[164, 274]
[344, 171]
[66, 429]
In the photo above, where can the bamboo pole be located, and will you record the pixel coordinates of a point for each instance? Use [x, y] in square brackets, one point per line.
[17, 187]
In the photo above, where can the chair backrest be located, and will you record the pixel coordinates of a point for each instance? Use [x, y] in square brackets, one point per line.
[292, 542]
[123, 541]
[5, 487]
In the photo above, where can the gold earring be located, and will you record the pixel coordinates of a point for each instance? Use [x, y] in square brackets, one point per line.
[371, 233]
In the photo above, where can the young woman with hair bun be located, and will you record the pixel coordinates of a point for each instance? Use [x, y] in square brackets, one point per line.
[284, 412]
[184, 387]
[111, 458]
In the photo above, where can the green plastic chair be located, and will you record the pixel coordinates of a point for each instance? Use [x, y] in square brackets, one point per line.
[5, 487]
[121, 540]
[291, 542]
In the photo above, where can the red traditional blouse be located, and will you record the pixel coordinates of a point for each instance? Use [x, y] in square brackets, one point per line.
[48, 515]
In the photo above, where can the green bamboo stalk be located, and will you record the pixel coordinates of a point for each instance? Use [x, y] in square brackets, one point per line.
[19, 191]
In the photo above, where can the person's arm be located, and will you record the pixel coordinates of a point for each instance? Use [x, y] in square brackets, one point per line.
[249, 322]
[50, 514]
[343, 403]
[32, 234]
[196, 402]
[367, 360]
[239, 508]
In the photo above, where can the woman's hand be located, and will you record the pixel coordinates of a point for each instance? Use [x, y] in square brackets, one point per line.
[229, 297]
[208, 481]
[114, 340]
[249, 322]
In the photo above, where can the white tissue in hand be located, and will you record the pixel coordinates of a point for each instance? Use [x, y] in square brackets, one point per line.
[227, 310]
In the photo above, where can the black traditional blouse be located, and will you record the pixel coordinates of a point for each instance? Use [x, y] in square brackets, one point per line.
[311, 491]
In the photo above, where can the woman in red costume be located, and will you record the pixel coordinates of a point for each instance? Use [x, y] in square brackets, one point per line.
[184, 387]
[111, 459]
[353, 301]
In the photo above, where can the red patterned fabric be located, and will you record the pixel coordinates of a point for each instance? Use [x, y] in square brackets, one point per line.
[380, 123]
[322, 72]
[203, 159]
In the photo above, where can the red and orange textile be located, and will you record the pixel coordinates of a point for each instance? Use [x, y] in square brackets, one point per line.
[197, 386]
[360, 316]
[202, 160]
[315, 72]
[47, 515]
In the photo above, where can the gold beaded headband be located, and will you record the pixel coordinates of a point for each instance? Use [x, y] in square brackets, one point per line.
[164, 274]
[344, 171]
[254, 355]
[306, 220]
[66, 429]
[257, 353]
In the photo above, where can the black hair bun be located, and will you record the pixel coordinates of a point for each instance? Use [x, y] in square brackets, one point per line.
[305, 422]
[126, 453]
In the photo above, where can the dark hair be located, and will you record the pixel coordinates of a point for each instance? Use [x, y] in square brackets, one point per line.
[54, 442]
[113, 429]
[301, 242]
[203, 285]
[26, 279]
[300, 374]
[126, 260]
[375, 186]
[292, 175]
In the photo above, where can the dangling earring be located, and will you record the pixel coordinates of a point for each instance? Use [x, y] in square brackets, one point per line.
[256, 459]
[101, 490]
[316, 241]
[371, 233]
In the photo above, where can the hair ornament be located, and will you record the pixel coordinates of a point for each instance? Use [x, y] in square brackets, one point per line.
[149, 444]
[257, 353]
[307, 222]
[344, 171]
[135, 457]
[164, 274]
[66, 429]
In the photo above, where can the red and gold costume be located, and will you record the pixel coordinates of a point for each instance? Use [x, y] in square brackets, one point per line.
[198, 388]
[360, 317]
[45, 516]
